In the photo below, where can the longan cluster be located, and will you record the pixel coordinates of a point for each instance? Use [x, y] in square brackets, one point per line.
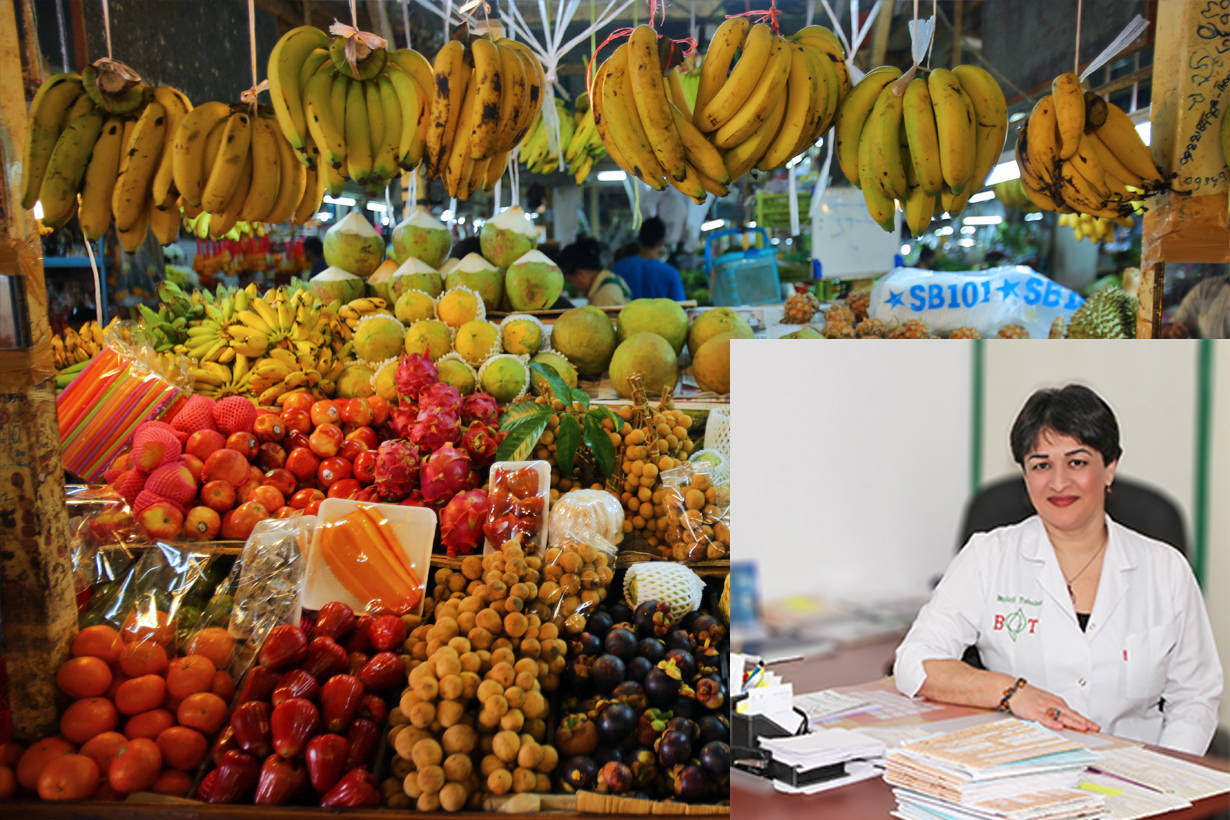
[575, 580]
[474, 716]
[653, 441]
[698, 519]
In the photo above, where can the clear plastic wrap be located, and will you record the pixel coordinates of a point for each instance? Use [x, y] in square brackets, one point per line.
[518, 498]
[588, 515]
[575, 575]
[697, 513]
[102, 539]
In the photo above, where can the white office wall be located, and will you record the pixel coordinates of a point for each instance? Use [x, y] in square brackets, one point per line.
[1217, 574]
[850, 462]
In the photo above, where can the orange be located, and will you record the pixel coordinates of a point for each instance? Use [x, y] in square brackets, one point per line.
[8, 782]
[193, 673]
[173, 782]
[182, 748]
[36, 758]
[98, 642]
[203, 711]
[223, 685]
[86, 718]
[84, 677]
[149, 724]
[103, 747]
[69, 777]
[135, 766]
[156, 626]
[140, 694]
[214, 643]
[143, 658]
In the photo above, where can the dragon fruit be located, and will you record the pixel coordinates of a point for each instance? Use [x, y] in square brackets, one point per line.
[481, 442]
[397, 469]
[440, 396]
[480, 407]
[402, 417]
[415, 373]
[434, 428]
[445, 473]
[461, 522]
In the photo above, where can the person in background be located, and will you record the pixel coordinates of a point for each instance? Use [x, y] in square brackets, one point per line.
[581, 263]
[1205, 310]
[646, 275]
[314, 253]
[464, 247]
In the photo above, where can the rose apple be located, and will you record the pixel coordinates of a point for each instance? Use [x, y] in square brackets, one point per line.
[380, 408]
[366, 435]
[227, 465]
[357, 412]
[269, 497]
[351, 448]
[298, 400]
[194, 464]
[243, 443]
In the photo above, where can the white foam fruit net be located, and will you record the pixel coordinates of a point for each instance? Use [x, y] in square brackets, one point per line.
[717, 431]
[673, 584]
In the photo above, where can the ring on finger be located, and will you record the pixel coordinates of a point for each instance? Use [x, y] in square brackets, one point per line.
[1053, 713]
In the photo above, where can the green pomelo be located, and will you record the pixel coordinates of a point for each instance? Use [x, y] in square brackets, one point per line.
[716, 321]
[430, 337]
[507, 237]
[459, 305]
[480, 276]
[661, 316]
[649, 355]
[454, 371]
[586, 337]
[354, 246]
[533, 282]
[335, 284]
[477, 341]
[421, 236]
[557, 363]
[711, 364]
[522, 336]
[414, 305]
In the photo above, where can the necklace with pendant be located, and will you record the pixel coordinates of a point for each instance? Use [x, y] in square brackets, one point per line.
[1070, 581]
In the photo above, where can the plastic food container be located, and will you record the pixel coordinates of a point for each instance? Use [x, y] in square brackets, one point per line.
[544, 492]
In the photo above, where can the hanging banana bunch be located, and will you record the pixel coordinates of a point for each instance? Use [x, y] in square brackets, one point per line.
[924, 144]
[1094, 228]
[1080, 153]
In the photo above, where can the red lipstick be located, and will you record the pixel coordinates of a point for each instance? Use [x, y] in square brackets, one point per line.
[1062, 500]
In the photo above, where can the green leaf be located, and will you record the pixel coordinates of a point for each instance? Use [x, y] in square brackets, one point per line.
[522, 436]
[580, 396]
[557, 385]
[566, 442]
[599, 443]
[601, 412]
[523, 410]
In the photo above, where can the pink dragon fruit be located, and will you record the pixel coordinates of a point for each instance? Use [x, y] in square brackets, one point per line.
[402, 416]
[461, 522]
[480, 407]
[434, 428]
[415, 373]
[445, 473]
[397, 469]
[480, 442]
[440, 396]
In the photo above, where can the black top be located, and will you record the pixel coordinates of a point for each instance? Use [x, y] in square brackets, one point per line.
[1082, 618]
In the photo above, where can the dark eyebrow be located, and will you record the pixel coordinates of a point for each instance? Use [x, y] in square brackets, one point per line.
[1084, 450]
[1038, 455]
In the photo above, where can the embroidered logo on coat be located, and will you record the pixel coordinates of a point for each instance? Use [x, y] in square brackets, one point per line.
[1015, 623]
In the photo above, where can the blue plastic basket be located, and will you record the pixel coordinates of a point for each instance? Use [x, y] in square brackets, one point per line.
[742, 277]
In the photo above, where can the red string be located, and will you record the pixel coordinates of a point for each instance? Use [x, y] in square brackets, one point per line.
[617, 34]
[771, 15]
[653, 11]
[689, 44]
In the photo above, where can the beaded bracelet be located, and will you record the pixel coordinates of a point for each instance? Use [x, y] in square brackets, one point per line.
[1009, 692]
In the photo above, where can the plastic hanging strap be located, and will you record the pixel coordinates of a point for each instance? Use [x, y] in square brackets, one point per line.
[853, 42]
[922, 35]
[792, 190]
[98, 306]
[106, 10]
[63, 33]
[1130, 32]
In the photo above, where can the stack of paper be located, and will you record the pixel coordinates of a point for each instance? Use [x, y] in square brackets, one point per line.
[829, 705]
[822, 748]
[1006, 769]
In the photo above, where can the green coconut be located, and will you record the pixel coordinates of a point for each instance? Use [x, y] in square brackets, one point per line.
[480, 276]
[446, 267]
[459, 305]
[378, 282]
[522, 335]
[505, 377]
[477, 341]
[354, 246]
[557, 363]
[378, 337]
[661, 316]
[414, 305]
[384, 382]
[415, 274]
[507, 237]
[533, 282]
[335, 284]
[586, 337]
[714, 322]
[430, 337]
[649, 355]
[355, 381]
[454, 370]
[421, 236]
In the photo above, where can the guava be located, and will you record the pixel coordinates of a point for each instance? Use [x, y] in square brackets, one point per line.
[421, 236]
[384, 382]
[533, 282]
[586, 338]
[649, 355]
[354, 246]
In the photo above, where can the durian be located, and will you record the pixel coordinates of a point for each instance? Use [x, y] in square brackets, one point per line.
[1108, 314]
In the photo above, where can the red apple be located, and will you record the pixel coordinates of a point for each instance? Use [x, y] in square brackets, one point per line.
[226, 464]
[351, 448]
[238, 523]
[285, 512]
[344, 488]
[218, 495]
[307, 495]
[244, 443]
[295, 439]
[312, 508]
[365, 466]
[302, 463]
[380, 408]
[325, 412]
[247, 490]
[203, 442]
[271, 455]
[202, 524]
[325, 440]
[366, 435]
[269, 497]
[333, 469]
[296, 421]
[161, 520]
[281, 478]
[357, 412]
[193, 464]
[256, 474]
[268, 427]
[298, 400]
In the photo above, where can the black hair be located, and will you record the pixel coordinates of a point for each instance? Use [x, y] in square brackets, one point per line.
[583, 254]
[653, 231]
[1074, 411]
[465, 247]
[313, 245]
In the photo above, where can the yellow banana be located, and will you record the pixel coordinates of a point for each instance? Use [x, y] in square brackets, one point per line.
[744, 156]
[991, 116]
[292, 179]
[325, 129]
[955, 128]
[701, 153]
[190, 157]
[227, 166]
[66, 166]
[1086, 162]
[488, 87]
[1112, 166]
[675, 92]
[919, 207]
[221, 221]
[514, 96]
[358, 133]
[758, 46]
[922, 137]
[726, 41]
[880, 156]
[536, 84]
[852, 116]
[805, 104]
[286, 90]
[1119, 135]
[452, 77]
[690, 186]
[177, 107]
[95, 210]
[416, 67]
[137, 166]
[1042, 154]
[132, 238]
[769, 89]
[881, 208]
[385, 163]
[49, 114]
[825, 40]
[266, 159]
[313, 191]
[624, 126]
[649, 95]
[164, 220]
[1069, 112]
[409, 100]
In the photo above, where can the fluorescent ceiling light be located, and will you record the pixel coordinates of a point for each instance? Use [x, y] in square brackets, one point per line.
[611, 176]
[1003, 172]
[324, 216]
[711, 224]
[339, 200]
[378, 207]
[944, 231]
[446, 215]
[966, 243]
[983, 220]
[981, 196]
[1036, 216]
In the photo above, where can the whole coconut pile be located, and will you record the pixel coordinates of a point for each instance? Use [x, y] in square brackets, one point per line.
[508, 237]
[479, 275]
[533, 282]
[421, 236]
[354, 246]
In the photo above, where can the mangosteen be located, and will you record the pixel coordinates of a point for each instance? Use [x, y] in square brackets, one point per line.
[606, 754]
[690, 783]
[578, 772]
[607, 672]
[650, 725]
[715, 757]
[707, 628]
[684, 661]
[652, 618]
[660, 687]
[614, 778]
[685, 725]
[673, 748]
[587, 643]
[576, 735]
[644, 765]
[684, 706]
[631, 693]
[619, 612]
[616, 721]
[652, 649]
[710, 693]
[679, 639]
[599, 622]
[638, 668]
[713, 727]
[708, 659]
[621, 642]
[688, 619]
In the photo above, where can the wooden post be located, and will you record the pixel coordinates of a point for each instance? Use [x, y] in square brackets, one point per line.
[958, 27]
[1191, 90]
[37, 606]
[879, 35]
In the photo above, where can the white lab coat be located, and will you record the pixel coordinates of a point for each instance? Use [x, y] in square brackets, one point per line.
[1148, 636]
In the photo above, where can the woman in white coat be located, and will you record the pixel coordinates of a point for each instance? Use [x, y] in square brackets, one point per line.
[1081, 623]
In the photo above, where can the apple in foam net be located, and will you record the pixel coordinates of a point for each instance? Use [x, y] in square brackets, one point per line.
[243, 443]
[226, 465]
[202, 524]
[193, 464]
[161, 520]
